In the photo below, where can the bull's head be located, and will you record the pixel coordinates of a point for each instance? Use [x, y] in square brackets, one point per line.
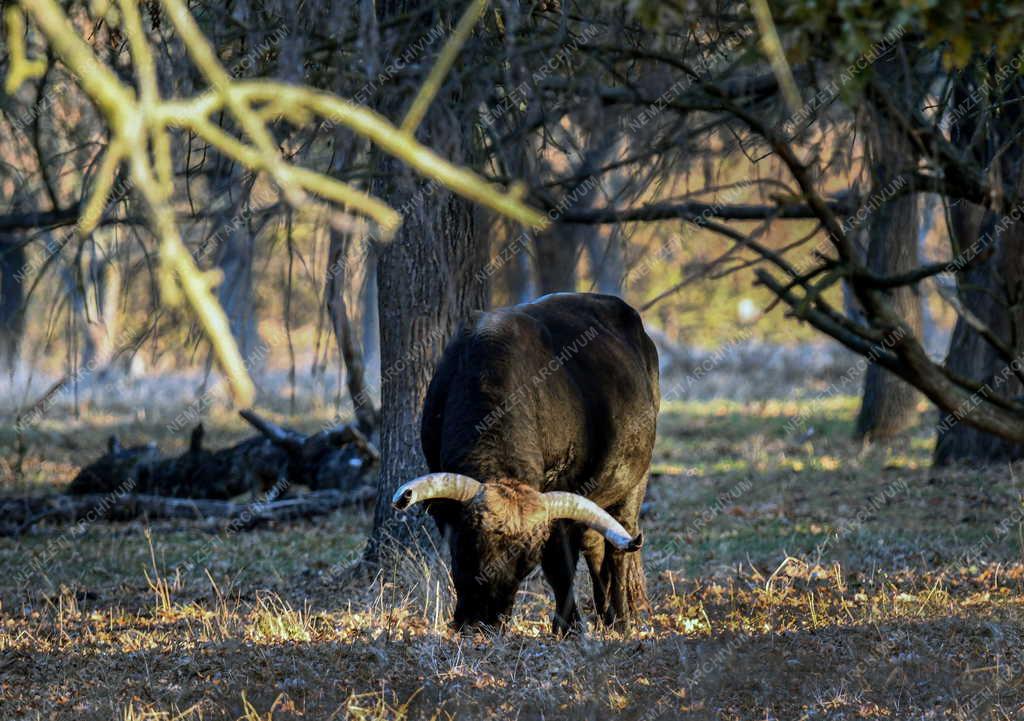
[498, 535]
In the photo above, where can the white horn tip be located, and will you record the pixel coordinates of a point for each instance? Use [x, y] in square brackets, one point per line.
[625, 543]
[403, 497]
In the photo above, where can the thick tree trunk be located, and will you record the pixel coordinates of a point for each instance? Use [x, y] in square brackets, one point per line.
[993, 291]
[12, 302]
[889, 405]
[427, 285]
[429, 278]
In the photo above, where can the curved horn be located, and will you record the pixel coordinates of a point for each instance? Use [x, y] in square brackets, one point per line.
[578, 508]
[435, 485]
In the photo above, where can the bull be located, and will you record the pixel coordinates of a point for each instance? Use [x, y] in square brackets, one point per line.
[538, 427]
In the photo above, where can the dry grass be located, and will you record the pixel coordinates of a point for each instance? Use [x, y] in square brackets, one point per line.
[789, 580]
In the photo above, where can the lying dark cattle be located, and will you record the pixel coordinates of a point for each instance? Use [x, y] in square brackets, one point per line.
[538, 428]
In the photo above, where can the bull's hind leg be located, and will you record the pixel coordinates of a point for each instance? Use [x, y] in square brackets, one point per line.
[595, 550]
[561, 554]
[620, 589]
[629, 586]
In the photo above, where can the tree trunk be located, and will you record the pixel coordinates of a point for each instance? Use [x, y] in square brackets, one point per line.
[991, 288]
[889, 405]
[521, 285]
[93, 285]
[605, 244]
[427, 285]
[514, 282]
[102, 297]
[556, 249]
[234, 239]
[429, 278]
[604, 250]
[12, 302]
[344, 332]
[369, 319]
[934, 338]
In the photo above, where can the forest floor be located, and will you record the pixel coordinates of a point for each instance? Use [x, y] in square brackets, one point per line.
[792, 575]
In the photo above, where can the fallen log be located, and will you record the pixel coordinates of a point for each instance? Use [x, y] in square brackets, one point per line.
[341, 459]
[117, 470]
[19, 515]
[287, 439]
[330, 458]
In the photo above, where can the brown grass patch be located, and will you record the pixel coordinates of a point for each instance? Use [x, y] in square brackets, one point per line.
[789, 580]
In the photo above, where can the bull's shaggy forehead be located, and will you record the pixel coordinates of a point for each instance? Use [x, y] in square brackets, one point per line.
[509, 509]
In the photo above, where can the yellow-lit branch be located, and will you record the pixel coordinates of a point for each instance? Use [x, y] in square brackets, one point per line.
[139, 138]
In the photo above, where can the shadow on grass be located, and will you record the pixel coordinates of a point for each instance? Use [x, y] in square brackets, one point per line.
[944, 666]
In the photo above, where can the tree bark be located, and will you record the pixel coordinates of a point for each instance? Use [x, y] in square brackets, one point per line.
[990, 289]
[430, 277]
[605, 253]
[888, 404]
[993, 291]
[427, 285]
[368, 318]
[344, 332]
[234, 239]
[521, 285]
[557, 250]
[102, 296]
[12, 303]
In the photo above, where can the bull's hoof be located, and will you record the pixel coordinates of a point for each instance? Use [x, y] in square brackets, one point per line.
[573, 626]
[605, 617]
[487, 627]
[623, 625]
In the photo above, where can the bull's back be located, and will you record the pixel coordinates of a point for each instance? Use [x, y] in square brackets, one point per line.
[560, 393]
[617, 377]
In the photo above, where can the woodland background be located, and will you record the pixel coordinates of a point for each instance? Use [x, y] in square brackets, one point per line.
[815, 205]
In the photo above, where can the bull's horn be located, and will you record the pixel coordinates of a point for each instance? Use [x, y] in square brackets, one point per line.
[435, 485]
[578, 508]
